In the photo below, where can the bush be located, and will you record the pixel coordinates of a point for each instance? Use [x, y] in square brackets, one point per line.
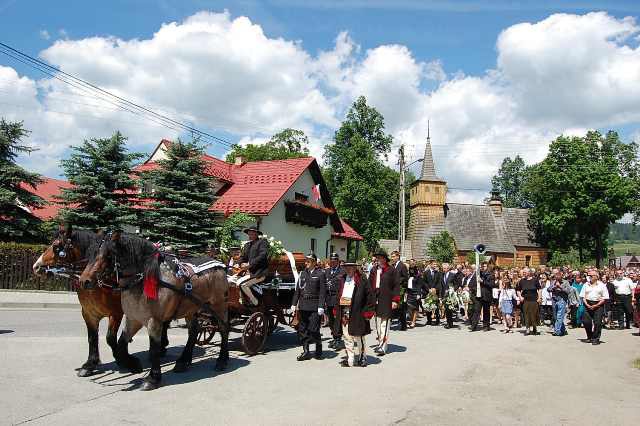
[442, 248]
[16, 260]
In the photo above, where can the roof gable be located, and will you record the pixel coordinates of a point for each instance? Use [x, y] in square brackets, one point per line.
[48, 190]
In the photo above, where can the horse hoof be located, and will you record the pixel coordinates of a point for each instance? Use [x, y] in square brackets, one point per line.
[86, 372]
[149, 386]
[181, 367]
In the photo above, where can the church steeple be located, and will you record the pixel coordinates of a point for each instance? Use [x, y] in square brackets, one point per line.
[428, 167]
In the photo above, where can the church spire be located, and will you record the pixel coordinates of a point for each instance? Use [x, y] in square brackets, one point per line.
[428, 168]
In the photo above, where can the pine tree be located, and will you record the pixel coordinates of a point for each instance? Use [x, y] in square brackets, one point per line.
[180, 197]
[16, 222]
[103, 192]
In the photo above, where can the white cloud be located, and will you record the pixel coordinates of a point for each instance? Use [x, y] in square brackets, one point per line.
[564, 74]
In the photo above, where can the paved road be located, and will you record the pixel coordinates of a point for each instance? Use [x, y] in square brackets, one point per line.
[431, 376]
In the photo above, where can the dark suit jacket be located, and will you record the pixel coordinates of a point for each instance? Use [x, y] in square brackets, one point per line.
[446, 280]
[429, 277]
[488, 284]
[311, 290]
[402, 274]
[255, 254]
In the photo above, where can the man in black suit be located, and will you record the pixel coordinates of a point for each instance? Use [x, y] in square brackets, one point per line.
[487, 284]
[433, 280]
[254, 261]
[334, 276]
[431, 274]
[402, 277]
[448, 279]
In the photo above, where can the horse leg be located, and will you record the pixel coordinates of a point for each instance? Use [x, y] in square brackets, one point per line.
[126, 360]
[112, 335]
[154, 379]
[92, 323]
[223, 356]
[165, 338]
[186, 357]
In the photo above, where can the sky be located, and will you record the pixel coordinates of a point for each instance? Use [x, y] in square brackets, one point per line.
[493, 78]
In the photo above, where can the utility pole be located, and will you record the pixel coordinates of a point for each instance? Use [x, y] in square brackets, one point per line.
[401, 227]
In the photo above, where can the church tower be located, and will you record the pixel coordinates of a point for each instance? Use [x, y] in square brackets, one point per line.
[426, 201]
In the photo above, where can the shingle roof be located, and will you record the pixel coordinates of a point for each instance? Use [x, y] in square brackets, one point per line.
[48, 190]
[517, 224]
[472, 224]
[422, 237]
[349, 233]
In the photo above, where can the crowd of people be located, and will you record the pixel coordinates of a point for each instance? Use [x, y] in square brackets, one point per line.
[350, 296]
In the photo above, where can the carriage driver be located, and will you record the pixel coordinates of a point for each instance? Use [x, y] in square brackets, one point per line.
[254, 260]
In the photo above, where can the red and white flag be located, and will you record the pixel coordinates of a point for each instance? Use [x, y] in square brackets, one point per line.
[316, 192]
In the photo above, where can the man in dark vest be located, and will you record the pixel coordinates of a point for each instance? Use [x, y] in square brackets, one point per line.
[255, 263]
[335, 274]
[387, 288]
[309, 299]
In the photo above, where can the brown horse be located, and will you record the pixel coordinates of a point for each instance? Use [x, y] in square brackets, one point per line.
[69, 250]
[167, 297]
[68, 255]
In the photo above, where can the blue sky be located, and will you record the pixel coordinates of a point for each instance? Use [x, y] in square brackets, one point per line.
[462, 33]
[487, 97]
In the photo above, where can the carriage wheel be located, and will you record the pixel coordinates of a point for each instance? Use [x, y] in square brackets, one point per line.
[254, 334]
[206, 330]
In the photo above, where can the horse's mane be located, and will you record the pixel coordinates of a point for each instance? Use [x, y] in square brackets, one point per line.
[134, 251]
[84, 239]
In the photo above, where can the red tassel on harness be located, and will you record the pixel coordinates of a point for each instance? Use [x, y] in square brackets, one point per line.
[150, 284]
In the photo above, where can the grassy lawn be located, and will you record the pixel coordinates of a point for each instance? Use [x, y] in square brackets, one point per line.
[623, 247]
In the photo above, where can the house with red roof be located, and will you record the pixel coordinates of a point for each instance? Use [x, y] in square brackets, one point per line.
[288, 199]
[48, 190]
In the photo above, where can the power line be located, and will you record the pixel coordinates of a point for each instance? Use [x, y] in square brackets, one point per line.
[84, 85]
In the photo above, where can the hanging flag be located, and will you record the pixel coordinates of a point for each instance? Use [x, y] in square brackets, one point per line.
[316, 192]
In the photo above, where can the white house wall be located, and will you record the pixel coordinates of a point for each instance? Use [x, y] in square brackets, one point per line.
[296, 237]
[340, 247]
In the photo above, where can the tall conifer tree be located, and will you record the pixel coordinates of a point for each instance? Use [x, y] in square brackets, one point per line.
[16, 200]
[180, 194]
[104, 189]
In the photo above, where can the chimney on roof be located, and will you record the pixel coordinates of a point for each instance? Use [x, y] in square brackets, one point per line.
[495, 203]
[240, 160]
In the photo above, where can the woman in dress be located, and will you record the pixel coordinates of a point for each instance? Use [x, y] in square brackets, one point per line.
[507, 297]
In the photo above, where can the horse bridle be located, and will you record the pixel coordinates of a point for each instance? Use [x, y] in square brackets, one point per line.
[62, 267]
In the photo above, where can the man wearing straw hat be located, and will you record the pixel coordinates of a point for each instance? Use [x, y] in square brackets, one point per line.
[254, 262]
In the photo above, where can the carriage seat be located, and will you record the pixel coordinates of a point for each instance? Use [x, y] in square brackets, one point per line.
[191, 266]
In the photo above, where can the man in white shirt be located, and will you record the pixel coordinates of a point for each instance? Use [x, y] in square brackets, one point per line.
[594, 294]
[624, 289]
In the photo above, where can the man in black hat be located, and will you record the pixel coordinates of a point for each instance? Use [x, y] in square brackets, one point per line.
[335, 273]
[309, 299]
[254, 261]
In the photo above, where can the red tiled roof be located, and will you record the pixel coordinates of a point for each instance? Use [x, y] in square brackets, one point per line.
[215, 167]
[48, 190]
[259, 185]
[349, 233]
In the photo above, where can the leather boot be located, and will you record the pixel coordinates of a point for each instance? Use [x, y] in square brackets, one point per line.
[318, 350]
[305, 355]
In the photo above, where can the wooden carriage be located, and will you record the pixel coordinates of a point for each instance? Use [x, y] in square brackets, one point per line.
[256, 323]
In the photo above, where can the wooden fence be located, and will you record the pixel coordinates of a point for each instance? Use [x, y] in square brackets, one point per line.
[16, 273]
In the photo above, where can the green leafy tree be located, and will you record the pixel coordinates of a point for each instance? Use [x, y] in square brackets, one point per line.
[509, 182]
[581, 187]
[180, 196]
[103, 191]
[442, 248]
[362, 187]
[289, 143]
[227, 231]
[17, 187]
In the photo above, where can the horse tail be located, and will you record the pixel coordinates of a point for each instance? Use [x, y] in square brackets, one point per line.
[152, 276]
